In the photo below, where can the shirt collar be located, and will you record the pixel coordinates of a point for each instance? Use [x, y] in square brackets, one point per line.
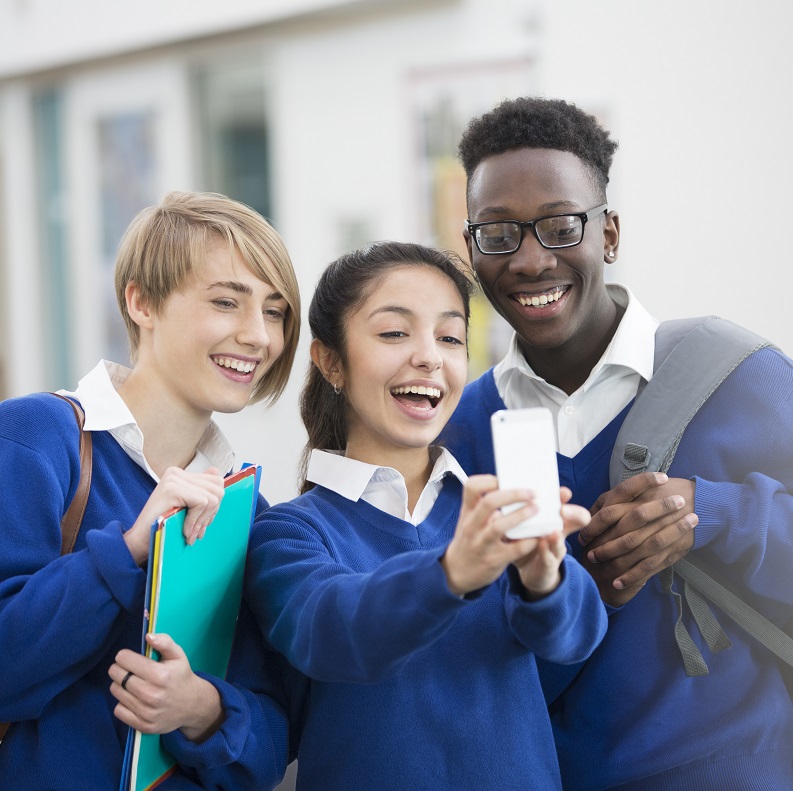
[105, 410]
[350, 477]
[632, 347]
[103, 406]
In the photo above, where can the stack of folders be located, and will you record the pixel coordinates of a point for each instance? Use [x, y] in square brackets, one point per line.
[193, 594]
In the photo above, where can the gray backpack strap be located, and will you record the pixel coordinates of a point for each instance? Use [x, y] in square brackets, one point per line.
[702, 577]
[710, 347]
[631, 457]
[648, 440]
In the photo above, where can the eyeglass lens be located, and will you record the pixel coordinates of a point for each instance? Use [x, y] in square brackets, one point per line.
[505, 237]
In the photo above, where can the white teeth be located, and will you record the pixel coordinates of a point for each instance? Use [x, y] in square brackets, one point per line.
[237, 365]
[541, 299]
[432, 392]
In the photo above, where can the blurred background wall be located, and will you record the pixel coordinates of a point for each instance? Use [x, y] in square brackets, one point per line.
[339, 122]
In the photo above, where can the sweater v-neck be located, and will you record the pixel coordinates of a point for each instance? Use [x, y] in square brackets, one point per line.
[431, 532]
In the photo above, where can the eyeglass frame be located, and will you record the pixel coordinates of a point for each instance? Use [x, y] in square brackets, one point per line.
[584, 216]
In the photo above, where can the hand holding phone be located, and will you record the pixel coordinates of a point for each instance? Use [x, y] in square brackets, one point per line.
[524, 446]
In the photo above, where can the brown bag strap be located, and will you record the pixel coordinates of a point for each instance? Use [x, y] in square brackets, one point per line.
[73, 518]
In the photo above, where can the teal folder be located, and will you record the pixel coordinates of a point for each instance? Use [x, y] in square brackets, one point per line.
[193, 594]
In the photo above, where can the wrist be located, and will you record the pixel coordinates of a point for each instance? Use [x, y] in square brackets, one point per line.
[454, 586]
[137, 546]
[208, 715]
[537, 590]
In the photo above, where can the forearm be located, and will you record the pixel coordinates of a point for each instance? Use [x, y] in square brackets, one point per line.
[61, 618]
[335, 625]
[747, 527]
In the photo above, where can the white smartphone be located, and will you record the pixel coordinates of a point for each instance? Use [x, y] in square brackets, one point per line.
[524, 445]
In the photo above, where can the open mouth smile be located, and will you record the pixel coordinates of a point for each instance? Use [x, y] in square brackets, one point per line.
[235, 368]
[542, 299]
[237, 365]
[418, 396]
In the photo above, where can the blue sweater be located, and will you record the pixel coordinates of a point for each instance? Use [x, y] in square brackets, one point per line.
[409, 686]
[631, 719]
[64, 619]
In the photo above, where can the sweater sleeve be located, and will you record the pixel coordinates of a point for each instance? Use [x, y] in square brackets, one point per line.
[57, 614]
[249, 750]
[333, 623]
[564, 627]
[739, 447]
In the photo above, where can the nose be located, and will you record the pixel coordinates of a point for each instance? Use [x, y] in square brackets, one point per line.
[252, 330]
[426, 354]
[531, 258]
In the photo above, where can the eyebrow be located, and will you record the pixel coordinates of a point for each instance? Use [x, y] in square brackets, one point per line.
[546, 208]
[242, 288]
[446, 314]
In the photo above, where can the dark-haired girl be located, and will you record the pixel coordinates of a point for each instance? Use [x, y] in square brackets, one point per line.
[389, 583]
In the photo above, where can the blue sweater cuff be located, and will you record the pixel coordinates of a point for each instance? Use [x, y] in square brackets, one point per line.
[714, 504]
[226, 744]
[109, 553]
[566, 625]
[250, 745]
[517, 591]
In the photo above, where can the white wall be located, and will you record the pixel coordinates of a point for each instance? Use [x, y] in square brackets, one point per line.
[46, 34]
[699, 93]
[22, 312]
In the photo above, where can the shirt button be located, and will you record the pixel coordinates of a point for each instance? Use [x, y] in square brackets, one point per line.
[569, 409]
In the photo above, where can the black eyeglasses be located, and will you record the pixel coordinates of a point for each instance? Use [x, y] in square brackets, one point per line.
[552, 232]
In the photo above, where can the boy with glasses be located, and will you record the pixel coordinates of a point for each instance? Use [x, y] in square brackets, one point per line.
[538, 233]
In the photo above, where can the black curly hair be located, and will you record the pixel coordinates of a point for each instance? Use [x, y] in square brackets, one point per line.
[535, 122]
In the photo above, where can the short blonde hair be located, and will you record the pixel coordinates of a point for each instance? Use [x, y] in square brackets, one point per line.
[164, 243]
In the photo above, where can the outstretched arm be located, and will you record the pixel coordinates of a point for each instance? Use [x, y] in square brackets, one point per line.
[326, 616]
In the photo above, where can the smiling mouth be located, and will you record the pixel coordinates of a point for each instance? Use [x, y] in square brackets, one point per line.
[241, 366]
[418, 396]
[542, 299]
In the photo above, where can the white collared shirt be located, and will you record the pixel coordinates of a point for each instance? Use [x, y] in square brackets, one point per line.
[611, 385]
[382, 487]
[105, 410]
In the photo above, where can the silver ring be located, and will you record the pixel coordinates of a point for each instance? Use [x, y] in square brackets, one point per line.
[125, 679]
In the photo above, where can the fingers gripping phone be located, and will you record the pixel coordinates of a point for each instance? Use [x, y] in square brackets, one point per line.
[524, 445]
